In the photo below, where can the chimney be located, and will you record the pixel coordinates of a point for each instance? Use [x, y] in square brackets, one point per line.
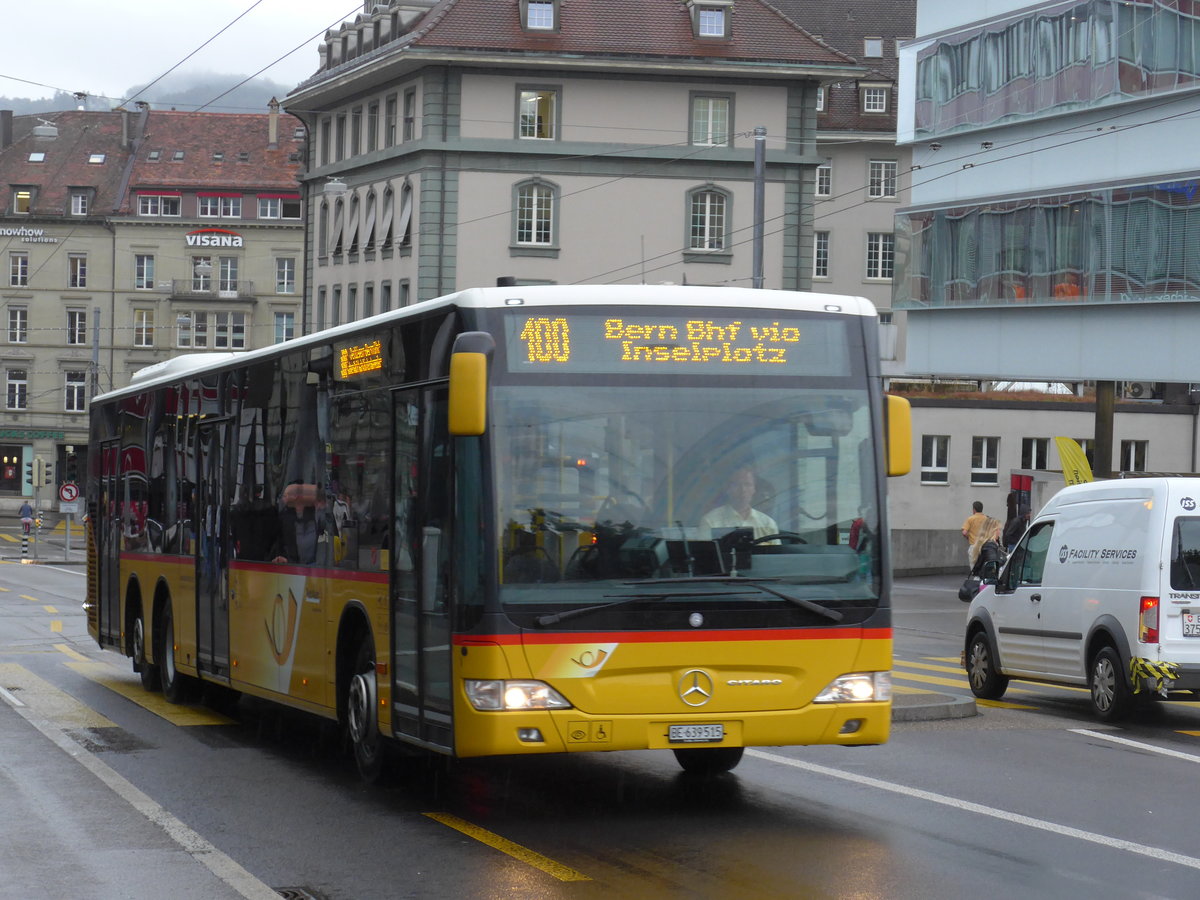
[6, 139]
[273, 125]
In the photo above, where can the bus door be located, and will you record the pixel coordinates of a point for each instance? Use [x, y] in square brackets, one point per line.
[420, 589]
[107, 530]
[213, 488]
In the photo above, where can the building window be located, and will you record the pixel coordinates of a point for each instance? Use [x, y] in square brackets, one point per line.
[158, 205]
[229, 274]
[881, 178]
[143, 271]
[711, 121]
[1133, 455]
[404, 298]
[1035, 453]
[410, 114]
[285, 275]
[326, 142]
[872, 47]
[22, 201]
[385, 296]
[322, 308]
[18, 269]
[372, 126]
[339, 138]
[143, 328]
[279, 207]
[37, 156]
[368, 301]
[201, 330]
[75, 395]
[708, 220]
[356, 131]
[535, 214]
[77, 270]
[17, 389]
[336, 306]
[820, 254]
[96, 159]
[825, 179]
[389, 121]
[539, 15]
[201, 273]
[821, 96]
[935, 459]
[536, 114]
[18, 324]
[79, 203]
[880, 254]
[985, 455]
[710, 20]
[76, 326]
[352, 303]
[285, 326]
[874, 99]
[1088, 445]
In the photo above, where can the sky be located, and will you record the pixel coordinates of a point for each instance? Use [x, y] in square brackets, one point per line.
[104, 47]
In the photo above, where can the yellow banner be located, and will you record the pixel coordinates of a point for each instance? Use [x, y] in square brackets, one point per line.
[1074, 461]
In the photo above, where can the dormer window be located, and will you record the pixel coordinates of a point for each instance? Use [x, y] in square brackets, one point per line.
[872, 48]
[711, 18]
[874, 98]
[154, 155]
[96, 159]
[539, 15]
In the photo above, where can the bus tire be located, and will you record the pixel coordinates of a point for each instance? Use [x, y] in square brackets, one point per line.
[362, 715]
[174, 684]
[148, 672]
[708, 760]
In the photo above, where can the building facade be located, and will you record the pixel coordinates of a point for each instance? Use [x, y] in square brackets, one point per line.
[127, 237]
[459, 142]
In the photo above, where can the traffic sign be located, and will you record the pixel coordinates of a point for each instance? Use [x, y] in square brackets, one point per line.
[68, 492]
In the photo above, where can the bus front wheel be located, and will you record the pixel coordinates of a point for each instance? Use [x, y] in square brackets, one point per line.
[362, 715]
[708, 760]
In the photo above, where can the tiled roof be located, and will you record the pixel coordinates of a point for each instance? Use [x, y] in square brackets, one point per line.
[246, 163]
[65, 166]
[624, 28]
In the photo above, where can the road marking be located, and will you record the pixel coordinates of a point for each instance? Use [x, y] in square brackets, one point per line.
[56, 626]
[927, 666]
[71, 652]
[50, 702]
[222, 866]
[1091, 837]
[1138, 745]
[129, 686]
[50, 609]
[1000, 704]
[30, 599]
[516, 851]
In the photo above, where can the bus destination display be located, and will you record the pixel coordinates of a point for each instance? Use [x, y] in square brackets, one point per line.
[687, 344]
[359, 360]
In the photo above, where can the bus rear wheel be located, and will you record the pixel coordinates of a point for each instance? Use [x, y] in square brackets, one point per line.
[362, 715]
[708, 760]
[174, 684]
[148, 672]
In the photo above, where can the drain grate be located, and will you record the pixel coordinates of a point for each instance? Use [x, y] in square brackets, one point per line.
[299, 893]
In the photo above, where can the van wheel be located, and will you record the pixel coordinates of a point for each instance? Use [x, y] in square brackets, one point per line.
[986, 681]
[708, 760]
[1111, 696]
[141, 665]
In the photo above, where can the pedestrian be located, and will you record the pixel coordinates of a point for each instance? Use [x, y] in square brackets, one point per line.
[26, 515]
[1015, 527]
[973, 531]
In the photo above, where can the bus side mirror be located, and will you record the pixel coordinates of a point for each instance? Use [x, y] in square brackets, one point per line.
[899, 435]
[469, 383]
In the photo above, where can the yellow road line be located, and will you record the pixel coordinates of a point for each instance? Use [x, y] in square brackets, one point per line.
[926, 666]
[71, 652]
[50, 609]
[516, 851]
[129, 686]
[56, 626]
[48, 701]
[9, 537]
[1000, 704]
[930, 679]
[30, 599]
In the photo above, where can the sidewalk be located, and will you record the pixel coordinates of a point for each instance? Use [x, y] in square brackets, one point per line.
[47, 545]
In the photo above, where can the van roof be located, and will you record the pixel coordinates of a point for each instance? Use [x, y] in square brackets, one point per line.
[1123, 489]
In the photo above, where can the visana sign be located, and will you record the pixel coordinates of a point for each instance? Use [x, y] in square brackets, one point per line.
[213, 237]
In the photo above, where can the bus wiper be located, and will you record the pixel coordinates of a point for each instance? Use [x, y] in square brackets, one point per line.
[554, 618]
[831, 614]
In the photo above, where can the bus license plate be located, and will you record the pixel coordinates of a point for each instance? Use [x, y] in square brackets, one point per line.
[695, 734]
[1191, 624]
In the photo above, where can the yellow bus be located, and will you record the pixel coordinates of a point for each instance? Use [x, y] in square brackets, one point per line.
[518, 520]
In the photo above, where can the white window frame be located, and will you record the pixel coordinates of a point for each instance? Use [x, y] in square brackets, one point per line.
[706, 129]
[540, 15]
[540, 125]
[823, 186]
[143, 271]
[79, 203]
[285, 326]
[77, 270]
[820, 254]
[208, 207]
[227, 272]
[18, 324]
[985, 460]
[211, 330]
[881, 255]
[712, 21]
[822, 96]
[872, 48]
[18, 268]
[159, 205]
[881, 178]
[1035, 453]
[16, 393]
[708, 221]
[935, 459]
[77, 326]
[231, 207]
[1134, 455]
[143, 328]
[875, 99]
[75, 391]
[285, 275]
[535, 215]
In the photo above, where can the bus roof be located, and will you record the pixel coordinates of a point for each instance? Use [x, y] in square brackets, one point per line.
[628, 295]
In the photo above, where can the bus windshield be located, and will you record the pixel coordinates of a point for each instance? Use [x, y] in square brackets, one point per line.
[649, 495]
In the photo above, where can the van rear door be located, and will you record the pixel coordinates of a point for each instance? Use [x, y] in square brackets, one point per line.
[1179, 607]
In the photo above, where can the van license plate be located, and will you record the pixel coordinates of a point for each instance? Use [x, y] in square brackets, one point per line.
[695, 734]
[1191, 624]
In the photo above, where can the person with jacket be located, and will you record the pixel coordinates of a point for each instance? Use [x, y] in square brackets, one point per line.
[25, 513]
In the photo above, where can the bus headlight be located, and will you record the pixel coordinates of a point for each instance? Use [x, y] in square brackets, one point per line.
[857, 687]
[501, 695]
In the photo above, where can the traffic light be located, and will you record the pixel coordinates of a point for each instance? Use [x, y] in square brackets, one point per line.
[71, 474]
[31, 473]
[47, 472]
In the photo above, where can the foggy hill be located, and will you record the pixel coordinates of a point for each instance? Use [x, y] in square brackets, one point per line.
[180, 90]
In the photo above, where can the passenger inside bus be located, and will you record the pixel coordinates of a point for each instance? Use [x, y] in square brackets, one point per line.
[302, 532]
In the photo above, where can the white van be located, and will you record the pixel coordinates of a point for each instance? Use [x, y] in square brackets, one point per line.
[1103, 590]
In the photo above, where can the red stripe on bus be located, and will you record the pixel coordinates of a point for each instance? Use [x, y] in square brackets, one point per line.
[678, 637]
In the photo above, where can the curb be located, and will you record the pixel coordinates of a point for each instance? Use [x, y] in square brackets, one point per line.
[930, 707]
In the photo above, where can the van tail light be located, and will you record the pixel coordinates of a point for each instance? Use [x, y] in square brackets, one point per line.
[1148, 621]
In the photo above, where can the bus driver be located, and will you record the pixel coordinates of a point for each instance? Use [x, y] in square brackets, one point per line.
[737, 511]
